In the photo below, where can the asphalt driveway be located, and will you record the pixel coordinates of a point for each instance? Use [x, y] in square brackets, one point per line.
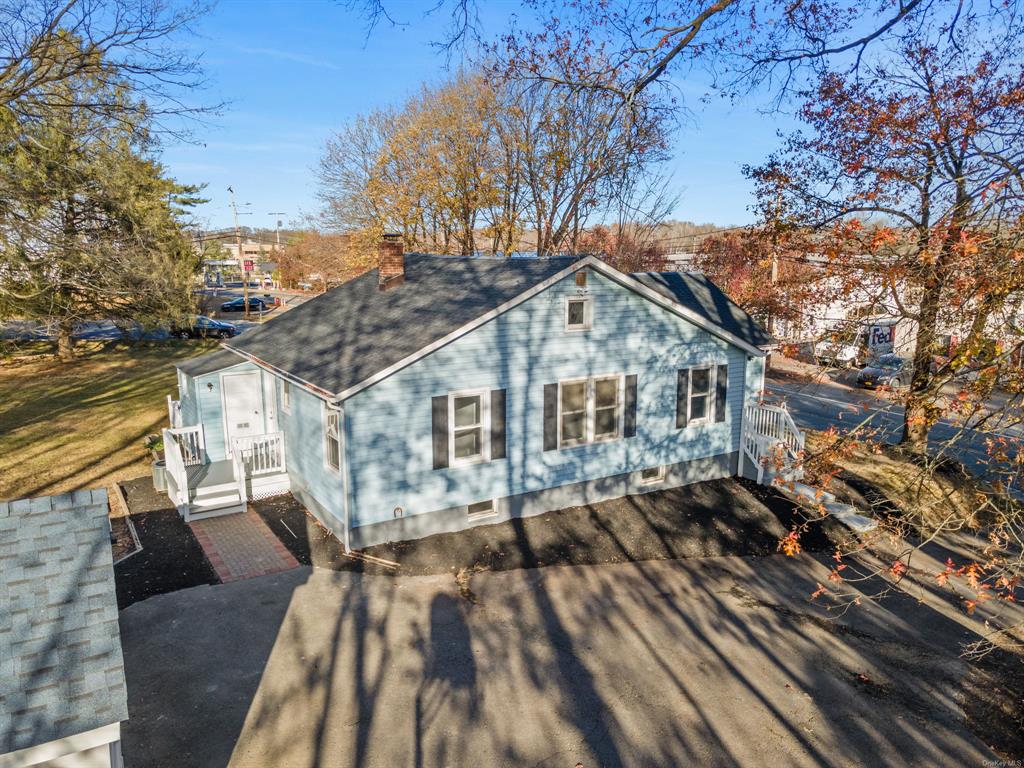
[709, 661]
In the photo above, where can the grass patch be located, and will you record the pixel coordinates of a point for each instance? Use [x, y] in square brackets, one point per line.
[65, 426]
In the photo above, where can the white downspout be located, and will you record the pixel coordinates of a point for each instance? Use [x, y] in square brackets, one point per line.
[342, 429]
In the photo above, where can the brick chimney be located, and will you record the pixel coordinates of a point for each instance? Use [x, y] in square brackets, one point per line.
[390, 262]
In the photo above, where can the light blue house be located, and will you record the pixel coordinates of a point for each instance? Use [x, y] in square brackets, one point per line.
[435, 393]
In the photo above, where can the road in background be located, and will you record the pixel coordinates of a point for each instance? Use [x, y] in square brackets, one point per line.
[820, 405]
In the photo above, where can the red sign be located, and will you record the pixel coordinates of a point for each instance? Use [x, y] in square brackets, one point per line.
[247, 265]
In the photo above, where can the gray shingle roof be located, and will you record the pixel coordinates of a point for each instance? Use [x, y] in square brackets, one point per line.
[354, 331]
[61, 670]
[696, 292]
[208, 363]
[343, 337]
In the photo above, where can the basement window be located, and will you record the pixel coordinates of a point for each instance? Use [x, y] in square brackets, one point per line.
[481, 509]
[652, 475]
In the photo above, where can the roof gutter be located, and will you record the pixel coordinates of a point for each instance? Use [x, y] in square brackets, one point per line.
[312, 388]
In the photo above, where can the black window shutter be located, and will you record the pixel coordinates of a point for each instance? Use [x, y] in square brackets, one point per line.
[497, 423]
[550, 417]
[439, 417]
[721, 392]
[682, 390]
[629, 407]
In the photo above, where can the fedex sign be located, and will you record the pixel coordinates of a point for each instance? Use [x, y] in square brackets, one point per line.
[881, 338]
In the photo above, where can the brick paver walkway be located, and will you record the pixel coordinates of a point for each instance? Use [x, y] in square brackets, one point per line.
[242, 546]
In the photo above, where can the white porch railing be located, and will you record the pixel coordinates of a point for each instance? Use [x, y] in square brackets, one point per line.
[191, 441]
[770, 434]
[238, 469]
[177, 475]
[260, 454]
[173, 412]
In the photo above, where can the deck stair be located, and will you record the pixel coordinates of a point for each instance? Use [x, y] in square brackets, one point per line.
[213, 491]
[847, 514]
[201, 488]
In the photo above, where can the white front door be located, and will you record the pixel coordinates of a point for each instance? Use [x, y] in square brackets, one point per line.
[243, 406]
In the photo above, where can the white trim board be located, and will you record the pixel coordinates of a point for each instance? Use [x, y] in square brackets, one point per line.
[69, 745]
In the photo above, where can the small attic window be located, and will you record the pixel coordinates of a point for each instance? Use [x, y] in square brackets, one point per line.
[579, 314]
[581, 278]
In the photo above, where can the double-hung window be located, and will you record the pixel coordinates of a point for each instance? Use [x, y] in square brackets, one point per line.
[589, 410]
[702, 395]
[332, 438]
[699, 399]
[286, 395]
[468, 414]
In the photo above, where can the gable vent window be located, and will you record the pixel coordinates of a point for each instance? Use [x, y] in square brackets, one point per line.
[579, 314]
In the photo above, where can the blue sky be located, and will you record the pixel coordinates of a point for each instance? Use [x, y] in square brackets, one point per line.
[294, 72]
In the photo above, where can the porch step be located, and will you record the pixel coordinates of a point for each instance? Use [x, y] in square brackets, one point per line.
[215, 477]
[202, 513]
[213, 500]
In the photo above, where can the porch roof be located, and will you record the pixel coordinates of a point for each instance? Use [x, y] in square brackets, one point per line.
[214, 361]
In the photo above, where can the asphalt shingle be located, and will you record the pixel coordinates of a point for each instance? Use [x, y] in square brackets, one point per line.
[61, 669]
[354, 331]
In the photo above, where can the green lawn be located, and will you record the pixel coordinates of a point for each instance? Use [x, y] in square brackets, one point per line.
[65, 426]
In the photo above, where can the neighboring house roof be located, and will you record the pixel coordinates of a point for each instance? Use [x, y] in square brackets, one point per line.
[61, 669]
[696, 292]
[208, 363]
[356, 334]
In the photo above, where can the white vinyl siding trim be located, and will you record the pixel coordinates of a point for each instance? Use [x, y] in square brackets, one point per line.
[585, 408]
[332, 439]
[478, 426]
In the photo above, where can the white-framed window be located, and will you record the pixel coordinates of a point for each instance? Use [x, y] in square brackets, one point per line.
[589, 410]
[652, 475]
[481, 509]
[332, 438]
[286, 395]
[698, 400]
[469, 424]
[579, 313]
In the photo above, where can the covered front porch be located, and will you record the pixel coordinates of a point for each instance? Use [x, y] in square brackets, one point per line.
[200, 487]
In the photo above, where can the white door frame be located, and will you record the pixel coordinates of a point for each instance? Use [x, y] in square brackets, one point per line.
[224, 405]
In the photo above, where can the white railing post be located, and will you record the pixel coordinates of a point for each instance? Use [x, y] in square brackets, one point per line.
[176, 470]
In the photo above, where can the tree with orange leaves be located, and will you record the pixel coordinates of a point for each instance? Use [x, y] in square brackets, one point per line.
[912, 178]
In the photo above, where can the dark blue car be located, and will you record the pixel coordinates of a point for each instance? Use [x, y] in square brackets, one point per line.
[238, 305]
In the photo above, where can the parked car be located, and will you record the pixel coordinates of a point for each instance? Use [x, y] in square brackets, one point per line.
[203, 327]
[238, 305]
[887, 371]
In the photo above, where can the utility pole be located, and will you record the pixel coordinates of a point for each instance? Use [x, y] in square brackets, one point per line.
[241, 256]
